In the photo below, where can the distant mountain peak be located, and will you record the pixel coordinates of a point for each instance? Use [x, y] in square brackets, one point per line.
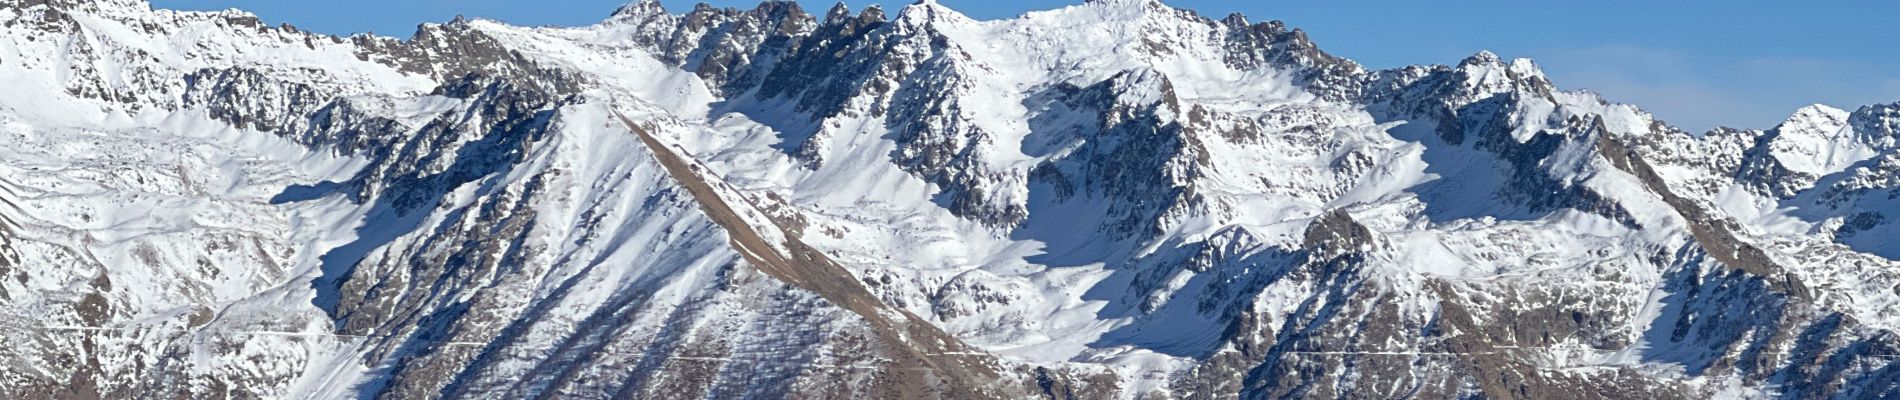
[641, 8]
[1481, 58]
[927, 12]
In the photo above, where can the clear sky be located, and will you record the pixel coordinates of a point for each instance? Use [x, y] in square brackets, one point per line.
[1697, 64]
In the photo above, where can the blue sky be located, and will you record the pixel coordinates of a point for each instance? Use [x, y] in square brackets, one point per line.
[1697, 64]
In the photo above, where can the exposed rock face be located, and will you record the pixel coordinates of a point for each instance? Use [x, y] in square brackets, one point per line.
[1117, 199]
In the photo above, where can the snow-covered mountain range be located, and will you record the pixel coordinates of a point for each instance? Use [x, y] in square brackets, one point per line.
[1116, 199]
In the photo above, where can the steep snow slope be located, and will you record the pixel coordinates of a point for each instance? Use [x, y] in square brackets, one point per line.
[1116, 199]
[384, 244]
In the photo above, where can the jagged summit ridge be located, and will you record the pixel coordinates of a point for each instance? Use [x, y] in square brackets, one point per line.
[643, 8]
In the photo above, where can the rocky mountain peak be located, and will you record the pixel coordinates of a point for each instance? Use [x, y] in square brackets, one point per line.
[838, 13]
[1816, 116]
[98, 7]
[1129, 4]
[872, 14]
[925, 13]
[1485, 73]
[1816, 140]
[1481, 58]
[1879, 124]
[1137, 7]
[640, 9]
[783, 9]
